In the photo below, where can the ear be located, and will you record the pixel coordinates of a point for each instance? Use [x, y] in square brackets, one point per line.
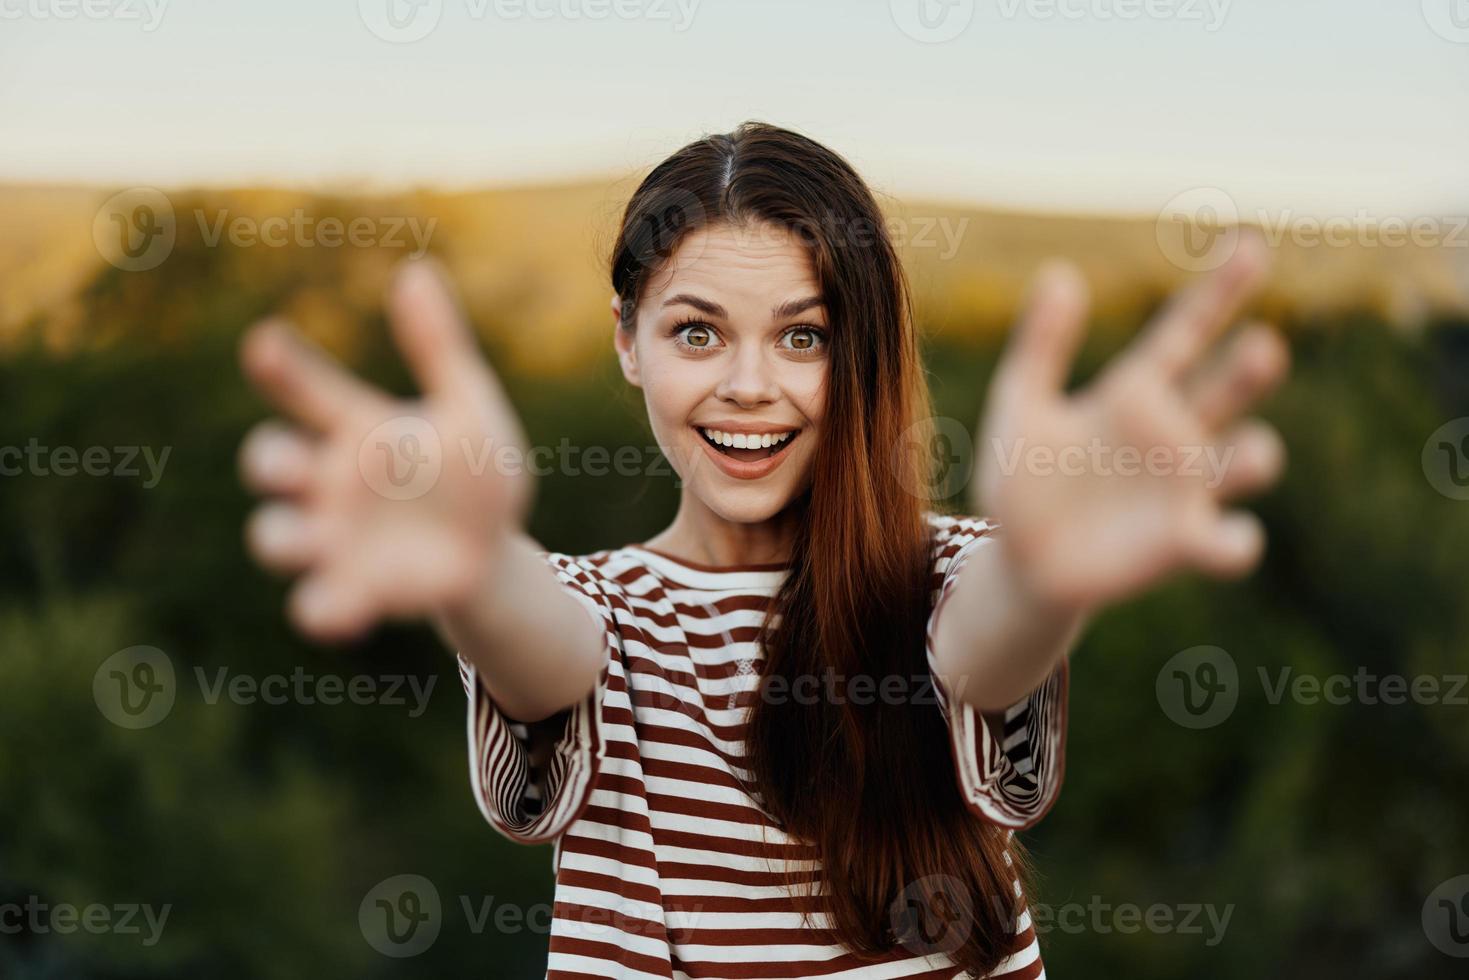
[627, 354]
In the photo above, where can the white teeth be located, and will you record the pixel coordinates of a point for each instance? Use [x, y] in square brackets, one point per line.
[746, 441]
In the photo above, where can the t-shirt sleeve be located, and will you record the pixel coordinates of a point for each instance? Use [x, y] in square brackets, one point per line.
[531, 782]
[1011, 781]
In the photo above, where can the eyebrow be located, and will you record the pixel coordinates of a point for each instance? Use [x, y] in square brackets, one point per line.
[789, 308]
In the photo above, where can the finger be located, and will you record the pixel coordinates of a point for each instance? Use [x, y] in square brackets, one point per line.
[1249, 459]
[1225, 545]
[1255, 363]
[440, 570]
[300, 378]
[283, 538]
[1038, 358]
[275, 459]
[431, 332]
[330, 607]
[1187, 325]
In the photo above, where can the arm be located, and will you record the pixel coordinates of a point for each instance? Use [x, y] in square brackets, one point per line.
[998, 639]
[399, 508]
[534, 646]
[1101, 494]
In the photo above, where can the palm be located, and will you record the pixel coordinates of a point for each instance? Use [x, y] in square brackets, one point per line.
[387, 507]
[1101, 493]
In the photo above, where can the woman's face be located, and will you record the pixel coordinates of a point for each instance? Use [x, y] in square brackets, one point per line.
[731, 343]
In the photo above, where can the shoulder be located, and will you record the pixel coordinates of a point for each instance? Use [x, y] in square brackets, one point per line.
[598, 572]
[952, 532]
[955, 536]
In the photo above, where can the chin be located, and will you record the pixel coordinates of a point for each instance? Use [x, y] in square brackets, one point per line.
[745, 506]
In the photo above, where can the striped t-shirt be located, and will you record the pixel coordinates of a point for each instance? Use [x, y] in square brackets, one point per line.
[665, 866]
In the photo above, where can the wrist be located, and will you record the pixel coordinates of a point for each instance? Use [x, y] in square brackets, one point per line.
[1032, 593]
[481, 579]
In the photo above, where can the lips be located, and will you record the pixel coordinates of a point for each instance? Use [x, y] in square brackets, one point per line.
[749, 446]
[747, 463]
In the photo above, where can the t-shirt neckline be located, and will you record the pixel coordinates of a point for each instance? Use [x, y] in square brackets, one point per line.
[701, 567]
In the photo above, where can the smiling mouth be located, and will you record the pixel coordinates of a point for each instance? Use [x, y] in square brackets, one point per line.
[750, 455]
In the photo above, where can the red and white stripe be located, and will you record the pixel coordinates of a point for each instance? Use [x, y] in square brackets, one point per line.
[665, 866]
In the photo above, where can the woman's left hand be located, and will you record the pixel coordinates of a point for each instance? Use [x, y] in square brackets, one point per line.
[1101, 493]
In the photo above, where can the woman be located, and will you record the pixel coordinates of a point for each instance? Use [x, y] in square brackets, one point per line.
[797, 731]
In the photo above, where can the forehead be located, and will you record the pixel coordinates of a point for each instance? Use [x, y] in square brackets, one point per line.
[750, 262]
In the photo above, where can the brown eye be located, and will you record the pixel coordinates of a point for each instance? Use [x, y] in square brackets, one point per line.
[697, 337]
[805, 340]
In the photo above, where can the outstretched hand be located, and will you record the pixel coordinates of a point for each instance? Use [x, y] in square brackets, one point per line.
[1101, 493]
[384, 507]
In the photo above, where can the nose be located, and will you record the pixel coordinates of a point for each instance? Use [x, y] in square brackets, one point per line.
[749, 381]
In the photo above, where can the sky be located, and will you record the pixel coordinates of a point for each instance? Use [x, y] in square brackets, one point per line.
[1112, 106]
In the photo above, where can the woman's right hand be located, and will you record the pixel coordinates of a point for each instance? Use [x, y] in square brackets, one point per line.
[385, 507]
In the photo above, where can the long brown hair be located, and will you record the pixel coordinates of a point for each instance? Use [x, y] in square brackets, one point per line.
[872, 786]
